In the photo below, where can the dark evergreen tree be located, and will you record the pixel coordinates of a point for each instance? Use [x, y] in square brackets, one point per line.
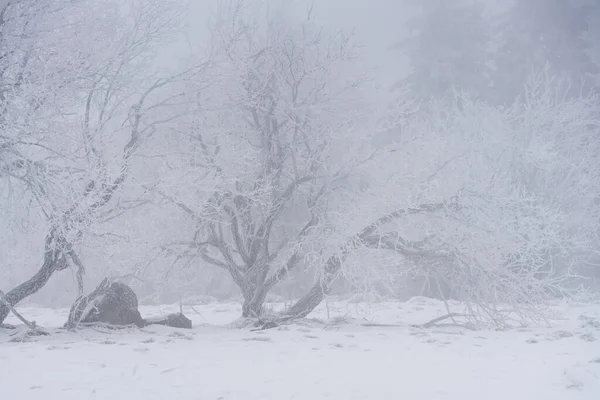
[536, 34]
[592, 37]
[448, 48]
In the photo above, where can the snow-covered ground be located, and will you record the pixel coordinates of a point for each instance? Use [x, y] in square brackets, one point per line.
[309, 360]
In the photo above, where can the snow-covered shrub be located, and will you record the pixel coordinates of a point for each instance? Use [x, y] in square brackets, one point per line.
[518, 192]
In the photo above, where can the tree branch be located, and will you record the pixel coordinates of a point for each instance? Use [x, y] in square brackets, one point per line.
[293, 260]
[403, 212]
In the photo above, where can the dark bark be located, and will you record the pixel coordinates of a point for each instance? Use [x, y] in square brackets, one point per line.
[54, 260]
[31, 325]
[255, 289]
[301, 308]
[307, 303]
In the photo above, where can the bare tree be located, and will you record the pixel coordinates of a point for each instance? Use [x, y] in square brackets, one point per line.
[276, 143]
[79, 99]
[263, 146]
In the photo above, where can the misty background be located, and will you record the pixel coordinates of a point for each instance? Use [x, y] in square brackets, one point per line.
[486, 105]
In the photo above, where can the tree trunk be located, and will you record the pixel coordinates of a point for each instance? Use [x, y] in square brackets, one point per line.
[53, 261]
[254, 299]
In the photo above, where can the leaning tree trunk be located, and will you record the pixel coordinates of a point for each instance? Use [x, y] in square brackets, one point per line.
[333, 265]
[307, 303]
[54, 260]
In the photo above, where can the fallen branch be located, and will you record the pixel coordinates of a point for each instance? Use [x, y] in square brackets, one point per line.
[197, 312]
[438, 319]
[31, 325]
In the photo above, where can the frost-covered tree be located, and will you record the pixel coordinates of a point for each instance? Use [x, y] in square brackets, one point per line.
[80, 95]
[516, 191]
[274, 173]
[524, 180]
[267, 146]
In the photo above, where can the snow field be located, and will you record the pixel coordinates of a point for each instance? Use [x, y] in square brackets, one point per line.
[335, 358]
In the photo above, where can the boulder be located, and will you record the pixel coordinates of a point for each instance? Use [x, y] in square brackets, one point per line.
[115, 303]
[112, 303]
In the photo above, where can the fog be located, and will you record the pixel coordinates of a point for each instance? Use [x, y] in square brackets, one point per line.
[359, 181]
[276, 150]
